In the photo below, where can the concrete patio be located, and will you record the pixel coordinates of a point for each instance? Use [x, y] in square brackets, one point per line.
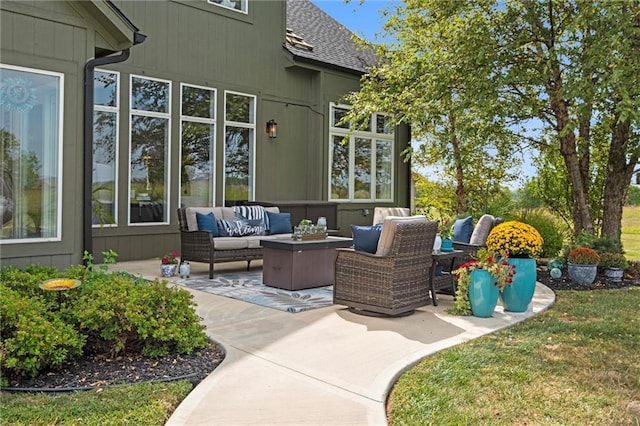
[326, 366]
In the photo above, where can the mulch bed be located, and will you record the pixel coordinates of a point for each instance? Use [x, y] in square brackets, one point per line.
[97, 372]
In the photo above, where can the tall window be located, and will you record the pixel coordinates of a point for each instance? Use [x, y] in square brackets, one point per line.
[31, 154]
[239, 147]
[361, 161]
[198, 121]
[106, 110]
[239, 5]
[149, 150]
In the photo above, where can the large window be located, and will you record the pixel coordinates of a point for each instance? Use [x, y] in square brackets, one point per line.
[31, 154]
[198, 124]
[106, 111]
[239, 147]
[239, 5]
[149, 150]
[361, 161]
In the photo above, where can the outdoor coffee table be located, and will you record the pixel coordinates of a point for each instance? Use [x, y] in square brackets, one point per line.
[296, 265]
[446, 279]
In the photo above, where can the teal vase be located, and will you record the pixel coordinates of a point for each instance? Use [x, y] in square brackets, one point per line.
[447, 245]
[517, 296]
[483, 294]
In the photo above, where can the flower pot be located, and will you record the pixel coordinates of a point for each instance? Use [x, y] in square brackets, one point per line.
[168, 270]
[517, 296]
[483, 294]
[185, 270]
[447, 245]
[614, 274]
[582, 274]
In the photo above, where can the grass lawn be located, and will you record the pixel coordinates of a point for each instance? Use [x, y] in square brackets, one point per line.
[631, 232]
[575, 364]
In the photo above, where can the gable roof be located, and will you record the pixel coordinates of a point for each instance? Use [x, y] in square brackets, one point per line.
[331, 43]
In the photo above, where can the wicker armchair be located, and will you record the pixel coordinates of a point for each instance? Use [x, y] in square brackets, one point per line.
[478, 238]
[394, 281]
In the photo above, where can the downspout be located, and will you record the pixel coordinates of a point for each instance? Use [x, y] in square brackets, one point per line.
[89, 68]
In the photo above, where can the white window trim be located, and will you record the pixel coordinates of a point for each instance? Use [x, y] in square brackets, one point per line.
[153, 114]
[59, 179]
[212, 121]
[244, 10]
[252, 154]
[352, 135]
[115, 110]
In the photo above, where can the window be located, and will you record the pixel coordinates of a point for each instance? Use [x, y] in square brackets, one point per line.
[239, 147]
[149, 150]
[198, 129]
[239, 5]
[361, 161]
[106, 111]
[31, 156]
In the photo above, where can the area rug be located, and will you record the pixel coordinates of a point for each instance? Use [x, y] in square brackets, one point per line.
[248, 287]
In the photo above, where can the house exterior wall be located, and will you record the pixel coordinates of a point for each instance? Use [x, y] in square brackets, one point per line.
[200, 44]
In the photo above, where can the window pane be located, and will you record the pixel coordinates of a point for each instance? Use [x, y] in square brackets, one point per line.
[383, 170]
[362, 169]
[149, 95]
[237, 165]
[197, 102]
[104, 167]
[240, 5]
[105, 91]
[197, 164]
[383, 125]
[339, 169]
[338, 115]
[149, 154]
[239, 108]
[30, 122]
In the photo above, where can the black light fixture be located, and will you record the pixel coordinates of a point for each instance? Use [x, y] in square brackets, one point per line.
[272, 129]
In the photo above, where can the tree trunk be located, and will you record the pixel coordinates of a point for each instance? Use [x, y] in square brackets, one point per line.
[619, 174]
[457, 158]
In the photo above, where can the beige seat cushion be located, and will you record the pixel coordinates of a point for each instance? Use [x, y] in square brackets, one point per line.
[230, 243]
[380, 213]
[482, 229]
[390, 224]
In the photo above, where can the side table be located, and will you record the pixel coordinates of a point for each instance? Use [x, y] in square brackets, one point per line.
[446, 279]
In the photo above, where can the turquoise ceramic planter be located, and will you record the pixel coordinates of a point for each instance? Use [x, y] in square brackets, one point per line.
[517, 296]
[447, 245]
[483, 295]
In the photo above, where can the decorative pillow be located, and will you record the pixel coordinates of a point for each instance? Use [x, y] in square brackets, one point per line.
[207, 222]
[385, 244]
[279, 223]
[462, 229]
[252, 213]
[365, 238]
[238, 228]
[482, 229]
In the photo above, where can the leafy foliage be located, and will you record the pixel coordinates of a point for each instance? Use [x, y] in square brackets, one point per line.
[553, 232]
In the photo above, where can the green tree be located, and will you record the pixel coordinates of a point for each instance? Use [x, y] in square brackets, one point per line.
[571, 67]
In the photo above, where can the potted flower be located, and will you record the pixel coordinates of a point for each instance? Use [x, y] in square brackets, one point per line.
[445, 230]
[479, 282]
[520, 242]
[614, 265]
[169, 264]
[582, 265]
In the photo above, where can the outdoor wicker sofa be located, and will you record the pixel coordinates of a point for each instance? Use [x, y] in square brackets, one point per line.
[201, 246]
[394, 280]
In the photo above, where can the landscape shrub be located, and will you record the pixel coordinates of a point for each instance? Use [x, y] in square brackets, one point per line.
[551, 230]
[109, 313]
[33, 336]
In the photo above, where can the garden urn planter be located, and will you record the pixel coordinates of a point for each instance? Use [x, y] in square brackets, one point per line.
[614, 274]
[517, 296]
[483, 294]
[168, 270]
[582, 274]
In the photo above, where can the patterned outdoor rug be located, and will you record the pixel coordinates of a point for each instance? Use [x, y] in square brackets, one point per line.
[248, 287]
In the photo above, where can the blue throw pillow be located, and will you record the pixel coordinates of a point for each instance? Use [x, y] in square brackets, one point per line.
[207, 222]
[462, 229]
[365, 238]
[279, 223]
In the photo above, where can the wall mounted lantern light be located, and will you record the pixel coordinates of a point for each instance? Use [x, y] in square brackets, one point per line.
[272, 129]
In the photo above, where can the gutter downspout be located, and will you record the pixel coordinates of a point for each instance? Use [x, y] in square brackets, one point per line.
[89, 68]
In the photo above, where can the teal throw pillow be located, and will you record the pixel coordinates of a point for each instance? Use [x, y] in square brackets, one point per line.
[462, 229]
[365, 238]
[279, 223]
[207, 222]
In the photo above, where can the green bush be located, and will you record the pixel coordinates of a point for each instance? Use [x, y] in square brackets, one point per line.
[602, 244]
[109, 313]
[33, 337]
[550, 229]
